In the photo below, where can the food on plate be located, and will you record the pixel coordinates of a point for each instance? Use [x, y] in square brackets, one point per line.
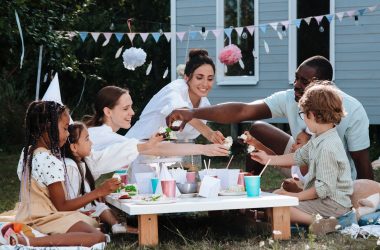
[167, 133]
[125, 196]
[242, 139]
[131, 189]
[154, 197]
[251, 149]
[176, 125]
[228, 142]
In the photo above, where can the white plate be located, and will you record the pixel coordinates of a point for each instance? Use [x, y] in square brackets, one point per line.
[226, 193]
[127, 200]
[188, 195]
[166, 201]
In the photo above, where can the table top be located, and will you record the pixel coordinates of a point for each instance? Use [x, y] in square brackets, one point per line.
[197, 204]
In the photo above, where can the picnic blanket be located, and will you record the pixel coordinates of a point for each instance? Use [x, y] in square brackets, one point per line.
[365, 231]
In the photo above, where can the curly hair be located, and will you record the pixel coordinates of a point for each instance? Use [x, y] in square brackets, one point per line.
[324, 101]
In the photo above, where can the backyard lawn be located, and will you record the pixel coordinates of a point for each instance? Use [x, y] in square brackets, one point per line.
[231, 230]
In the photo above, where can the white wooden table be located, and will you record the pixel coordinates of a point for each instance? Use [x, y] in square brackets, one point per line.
[147, 214]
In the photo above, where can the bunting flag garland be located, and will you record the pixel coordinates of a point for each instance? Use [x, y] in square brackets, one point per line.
[83, 35]
[131, 36]
[168, 36]
[95, 35]
[119, 36]
[156, 36]
[181, 35]
[144, 36]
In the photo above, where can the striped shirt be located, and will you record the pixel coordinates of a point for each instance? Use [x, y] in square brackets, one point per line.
[329, 168]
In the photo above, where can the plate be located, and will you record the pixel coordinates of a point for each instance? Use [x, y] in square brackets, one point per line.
[166, 201]
[226, 193]
[188, 195]
[127, 200]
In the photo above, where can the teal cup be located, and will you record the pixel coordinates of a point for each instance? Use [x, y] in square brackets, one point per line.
[252, 185]
[154, 182]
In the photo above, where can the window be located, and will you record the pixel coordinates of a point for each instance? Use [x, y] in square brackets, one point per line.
[234, 14]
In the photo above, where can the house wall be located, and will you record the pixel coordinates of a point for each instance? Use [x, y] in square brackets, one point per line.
[357, 52]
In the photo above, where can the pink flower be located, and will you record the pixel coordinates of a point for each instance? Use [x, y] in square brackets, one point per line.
[230, 54]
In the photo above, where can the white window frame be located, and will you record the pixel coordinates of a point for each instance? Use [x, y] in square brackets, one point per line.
[293, 40]
[221, 79]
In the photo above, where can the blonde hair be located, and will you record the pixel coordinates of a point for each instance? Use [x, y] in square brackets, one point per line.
[325, 101]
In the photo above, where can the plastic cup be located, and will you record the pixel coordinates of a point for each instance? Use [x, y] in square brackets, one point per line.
[190, 176]
[124, 178]
[241, 179]
[154, 182]
[168, 188]
[252, 185]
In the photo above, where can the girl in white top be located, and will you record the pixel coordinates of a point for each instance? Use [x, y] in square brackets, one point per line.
[113, 110]
[190, 92]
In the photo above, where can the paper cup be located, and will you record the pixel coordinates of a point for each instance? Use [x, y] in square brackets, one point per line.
[252, 185]
[168, 188]
[154, 182]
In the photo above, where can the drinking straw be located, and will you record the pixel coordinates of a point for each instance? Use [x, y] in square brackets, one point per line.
[204, 161]
[266, 165]
[209, 163]
[181, 165]
[230, 161]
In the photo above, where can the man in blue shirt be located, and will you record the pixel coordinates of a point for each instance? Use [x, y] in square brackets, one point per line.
[353, 130]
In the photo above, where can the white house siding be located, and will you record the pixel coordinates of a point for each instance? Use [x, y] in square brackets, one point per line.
[357, 56]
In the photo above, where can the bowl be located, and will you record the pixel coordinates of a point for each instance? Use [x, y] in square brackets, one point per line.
[187, 188]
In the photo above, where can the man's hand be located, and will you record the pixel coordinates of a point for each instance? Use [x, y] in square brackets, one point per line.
[184, 115]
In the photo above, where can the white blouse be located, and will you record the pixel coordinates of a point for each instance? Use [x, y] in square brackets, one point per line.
[103, 137]
[172, 96]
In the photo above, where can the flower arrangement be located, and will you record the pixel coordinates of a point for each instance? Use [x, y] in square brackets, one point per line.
[133, 58]
[230, 54]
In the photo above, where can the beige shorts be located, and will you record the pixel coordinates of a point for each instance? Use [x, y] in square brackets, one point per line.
[326, 207]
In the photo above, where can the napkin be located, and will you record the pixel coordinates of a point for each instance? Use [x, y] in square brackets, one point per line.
[143, 182]
[228, 177]
[210, 172]
[210, 187]
[179, 175]
[165, 175]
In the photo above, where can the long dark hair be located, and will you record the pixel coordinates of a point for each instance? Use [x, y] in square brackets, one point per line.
[75, 131]
[197, 58]
[41, 117]
[106, 97]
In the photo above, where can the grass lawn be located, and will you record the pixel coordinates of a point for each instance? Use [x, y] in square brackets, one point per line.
[199, 231]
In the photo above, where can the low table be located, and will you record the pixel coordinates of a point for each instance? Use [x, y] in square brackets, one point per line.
[147, 214]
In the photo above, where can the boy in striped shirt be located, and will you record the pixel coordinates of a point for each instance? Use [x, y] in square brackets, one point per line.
[328, 185]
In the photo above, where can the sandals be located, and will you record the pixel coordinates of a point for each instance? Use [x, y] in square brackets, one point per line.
[12, 233]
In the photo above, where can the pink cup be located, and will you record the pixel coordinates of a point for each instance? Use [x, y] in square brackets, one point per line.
[241, 179]
[168, 188]
[190, 176]
[124, 179]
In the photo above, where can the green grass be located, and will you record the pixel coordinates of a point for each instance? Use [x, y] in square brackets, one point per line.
[231, 230]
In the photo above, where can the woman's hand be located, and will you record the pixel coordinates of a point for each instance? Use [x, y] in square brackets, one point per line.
[215, 137]
[260, 156]
[214, 150]
[108, 187]
[154, 140]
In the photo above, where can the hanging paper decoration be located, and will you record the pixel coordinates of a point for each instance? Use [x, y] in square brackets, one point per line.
[181, 35]
[216, 33]
[266, 47]
[263, 27]
[131, 36]
[193, 34]
[330, 17]
[119, 36]
[168, 36]
[119, 52]
[95, 35]
[230, 54]
[251, 29]
[108, 38]
[156, 36]
[279, 34]
[133, 58]
[181, 70]
[144, 36]
[166, 73]
[22, 39]
[83, 35]
[149, 68]
[307, 20]
[241, 63]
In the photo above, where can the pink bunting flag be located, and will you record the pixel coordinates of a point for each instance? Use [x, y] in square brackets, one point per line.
[351, 13]
[216, 32]
[144, 36]
[340, 15]
[95, 35]
[131, 36]
[319, 19]
[168, 35]
[181, 35]
[274, 26]
[239, 30]
[251, 29]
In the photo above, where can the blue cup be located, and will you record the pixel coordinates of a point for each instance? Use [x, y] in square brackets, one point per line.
[252, 185]
[154, 182]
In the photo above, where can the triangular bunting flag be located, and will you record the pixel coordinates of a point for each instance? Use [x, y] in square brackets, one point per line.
[372, 8]
[108, 38]
[330, 17]
[274, 26]
[340, 15]
[119, 36]
[239, 30]
[228, 32]
[131, 36]
[251, 29]
[180, 35]
[361, 11]
[193, 34]
[263, 27]
[83, 35]
[168, 35]
[319, 19]
[216, 32]
[156, 36]
[95, 35]
[297, 22]
[307, 20]
[285, 23]
[144, 36]
[351, 13]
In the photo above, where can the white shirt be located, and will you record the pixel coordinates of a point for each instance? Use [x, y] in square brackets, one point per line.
[103, 137]
[172, 96]
[352, 130]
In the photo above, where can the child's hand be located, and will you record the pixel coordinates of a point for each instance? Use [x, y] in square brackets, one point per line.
[216, 137]
[215, 150]
[260, 156]
[154, 140]
[109, 186]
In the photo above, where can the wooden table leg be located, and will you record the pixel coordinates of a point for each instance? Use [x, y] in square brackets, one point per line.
[148, 230]
[280, 220]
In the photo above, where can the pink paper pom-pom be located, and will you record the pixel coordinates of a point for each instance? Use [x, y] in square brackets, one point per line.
[230, 54]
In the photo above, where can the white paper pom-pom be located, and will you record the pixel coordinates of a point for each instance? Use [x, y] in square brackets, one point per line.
[133, 58]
